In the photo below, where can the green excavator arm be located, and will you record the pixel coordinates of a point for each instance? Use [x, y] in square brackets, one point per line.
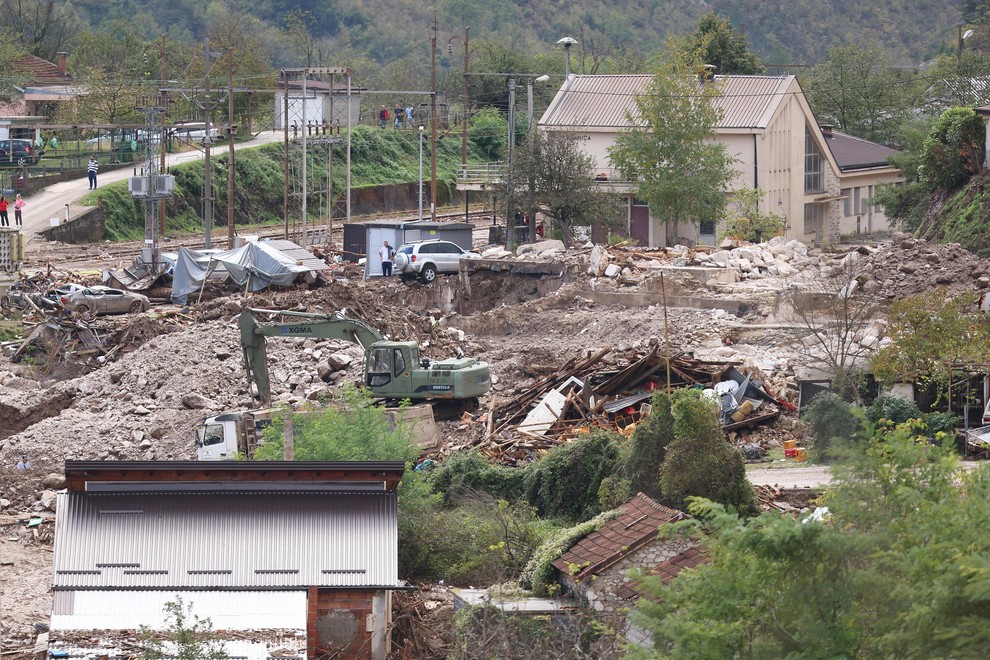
[318, 326]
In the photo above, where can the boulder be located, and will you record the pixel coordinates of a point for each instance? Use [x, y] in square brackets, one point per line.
[598, 261]
[540, 246]
[54, 481]
[745, 265]
[48, 499]
[612, 270]
[195, 401]
[339, 360]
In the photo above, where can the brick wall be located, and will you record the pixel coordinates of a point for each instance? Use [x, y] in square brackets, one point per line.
[346, 624]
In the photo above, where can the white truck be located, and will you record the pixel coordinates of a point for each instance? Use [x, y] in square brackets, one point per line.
[238, 434]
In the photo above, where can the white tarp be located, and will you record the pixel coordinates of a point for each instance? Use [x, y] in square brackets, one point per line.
[254, 266]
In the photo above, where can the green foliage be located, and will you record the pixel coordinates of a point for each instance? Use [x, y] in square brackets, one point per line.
[932, 336]
[565, 482]
[721, 45]
[614, 491]
[859, 91]
[953, 150]
[187, 637]
[681, 170]
[488, 130]
[898, 569]
[354, 430]
[699, 462]
[892, 408]
[469, 471]
[539, 574]
[647, 447]
[830, 418]
[745, 220]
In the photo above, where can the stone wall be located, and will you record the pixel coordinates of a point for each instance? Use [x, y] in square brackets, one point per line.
[396, 197]
[87, 227]
[347, 624]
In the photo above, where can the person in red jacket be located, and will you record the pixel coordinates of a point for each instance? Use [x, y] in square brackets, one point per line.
[4, 221]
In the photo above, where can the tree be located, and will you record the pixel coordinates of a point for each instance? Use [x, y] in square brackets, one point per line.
[745, 221]
[42, 27]
[933, 335]
[858, 90]
[681, 170]
[648, 446]
[552, 173]
[953, 151]
[699, 462]
[836, 321]
[187, 637]
[723, 46]
[899, 568]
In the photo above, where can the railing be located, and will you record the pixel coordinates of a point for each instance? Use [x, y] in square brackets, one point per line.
[481, 172]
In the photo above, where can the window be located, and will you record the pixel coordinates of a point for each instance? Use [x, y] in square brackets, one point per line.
[858, 200]
[814, 175]
[213, 435]
[639, 202]
[707, 228]
[398, 362]
[428, 248]
[846, 203]
[379, 372]
[813, 216]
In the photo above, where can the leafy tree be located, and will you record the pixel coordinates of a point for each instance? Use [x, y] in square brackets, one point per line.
[892, 408]
[745, 220]
[554, 174]
[187, 637]
[725, 47]
[857, 89]
[355, 430]
[41, 27]
[647, 447]
[681, 171]
[565, 482]
[699, 462]
[898, 569]
[830, 418]
[932, 336]
[906, 205]
[488, 130]
[953, 150]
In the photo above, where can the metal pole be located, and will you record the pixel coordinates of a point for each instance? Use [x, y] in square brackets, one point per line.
[305, 187]
[348, 145]
[207, 163]
[532, 174]
[464, 136]
[433, 121]
[330, 172]
[420, 173]
[163, 102]
[666, 330]
[230, 151]
[510, 220]
[285, 159]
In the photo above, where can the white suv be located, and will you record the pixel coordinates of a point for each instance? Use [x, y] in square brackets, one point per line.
[427, 258]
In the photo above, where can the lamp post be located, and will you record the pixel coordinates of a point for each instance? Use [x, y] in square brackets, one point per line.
[530, 135]
[567, 42]
[464, 133]
[963, 36]
[421, 173]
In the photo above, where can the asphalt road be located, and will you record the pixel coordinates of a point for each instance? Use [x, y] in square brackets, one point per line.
[51, 202]
[813, 476]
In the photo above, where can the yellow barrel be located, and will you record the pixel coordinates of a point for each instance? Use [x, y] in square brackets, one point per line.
[743, 411]
[790, 444]
[800, 454]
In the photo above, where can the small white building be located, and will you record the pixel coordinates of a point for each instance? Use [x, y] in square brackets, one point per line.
[819, 183]
[323, 104]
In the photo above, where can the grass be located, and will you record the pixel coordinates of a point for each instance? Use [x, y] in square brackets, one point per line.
[775, 460]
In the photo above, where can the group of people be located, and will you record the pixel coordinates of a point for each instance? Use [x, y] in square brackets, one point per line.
[399, 116]
[19, 204]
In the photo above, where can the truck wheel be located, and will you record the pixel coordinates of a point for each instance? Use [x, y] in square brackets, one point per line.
[428, 274]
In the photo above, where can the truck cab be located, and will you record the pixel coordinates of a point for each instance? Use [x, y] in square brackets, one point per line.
[230, 435]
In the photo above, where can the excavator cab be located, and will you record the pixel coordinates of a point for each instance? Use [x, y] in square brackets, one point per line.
[387, 370]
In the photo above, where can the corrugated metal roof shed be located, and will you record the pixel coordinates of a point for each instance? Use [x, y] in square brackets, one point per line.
[603, 101]
[301, 255]
[226, 541]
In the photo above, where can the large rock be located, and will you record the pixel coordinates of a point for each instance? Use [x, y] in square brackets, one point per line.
[340, 360]
[54, 481]
[195, 401]
[540, 246]
[612, 270]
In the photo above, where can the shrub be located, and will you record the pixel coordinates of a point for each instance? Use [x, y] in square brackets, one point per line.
[829, 417]
[469, 471]
[892, 408]
[941, 422]
[953, 150]
[539, 574]
[566, 482]
[647, 446]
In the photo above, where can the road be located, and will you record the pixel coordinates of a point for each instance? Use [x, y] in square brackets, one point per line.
[51, 202]
[813, 476]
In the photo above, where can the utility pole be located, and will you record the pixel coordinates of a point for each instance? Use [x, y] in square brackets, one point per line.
[230, 150]
[285, 159]
[433, 121]
[510, 219]
[163, 102]
[208, 165]
[464, 135]
[305, 182]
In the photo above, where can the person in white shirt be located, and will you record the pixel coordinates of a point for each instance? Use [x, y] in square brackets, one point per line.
[24, 463]
[386, 255]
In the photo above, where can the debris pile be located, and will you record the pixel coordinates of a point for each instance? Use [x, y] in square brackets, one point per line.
[422, 623]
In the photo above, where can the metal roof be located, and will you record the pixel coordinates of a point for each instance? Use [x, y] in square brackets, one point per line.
[853, 153]
[226, 541]
[601, 101]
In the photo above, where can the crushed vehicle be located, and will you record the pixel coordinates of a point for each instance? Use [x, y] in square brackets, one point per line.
[104, 300]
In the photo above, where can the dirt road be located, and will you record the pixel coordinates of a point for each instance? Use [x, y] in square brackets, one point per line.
[813, 476]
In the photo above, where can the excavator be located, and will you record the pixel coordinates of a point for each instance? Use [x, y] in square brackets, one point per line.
[393, 370]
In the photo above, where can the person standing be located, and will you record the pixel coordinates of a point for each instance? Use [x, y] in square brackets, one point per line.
[4, 220]
[409, 115]
[383, 117]
[24, 463]
[386, 256]
[18, 205]
[91, 170]
[398, 115]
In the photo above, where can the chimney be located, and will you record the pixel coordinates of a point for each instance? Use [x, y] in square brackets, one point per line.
[826, 130]
[61, 62]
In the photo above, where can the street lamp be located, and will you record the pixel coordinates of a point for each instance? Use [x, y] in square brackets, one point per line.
[963, 36]
[421, 173]
[567, 42]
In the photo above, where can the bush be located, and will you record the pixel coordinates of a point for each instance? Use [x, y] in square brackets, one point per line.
[539, 574]
[469, 471]
[829, 417]
[566, 482]
[700, 463]
[953, 150]
[892, 408]
[647, 446]
[941, 422]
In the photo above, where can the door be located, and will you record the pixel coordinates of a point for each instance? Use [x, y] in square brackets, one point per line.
[376, 239]
[639, 222]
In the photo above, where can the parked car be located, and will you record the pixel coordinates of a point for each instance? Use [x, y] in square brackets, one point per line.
[104, 300]
[21, 149]
[428, 258]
